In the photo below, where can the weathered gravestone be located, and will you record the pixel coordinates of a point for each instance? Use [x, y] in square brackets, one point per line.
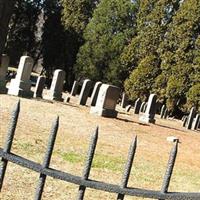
[190, 118]
[21, 85]
[166, 113]
[138, 103]
[148, 116]
[3, 71]
[57, 85]
[162, 112]
[106, 101]
[74, 88]
[195, 122]
[95, 93]
[39, 87]
[185, 121]
[85, 91]
[145, 107]
[142, 106]
[128, 108]
[124, 100]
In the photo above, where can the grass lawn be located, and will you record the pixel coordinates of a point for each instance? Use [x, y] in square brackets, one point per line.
[115, 135]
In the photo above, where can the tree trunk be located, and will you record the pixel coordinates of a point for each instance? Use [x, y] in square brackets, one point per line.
[6, 8]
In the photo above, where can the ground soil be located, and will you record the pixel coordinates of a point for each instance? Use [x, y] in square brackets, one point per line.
[115, 136]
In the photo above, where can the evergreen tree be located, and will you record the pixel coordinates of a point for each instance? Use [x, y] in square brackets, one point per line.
[53, 38]
[180, 56]
[6, 10]
[109, 30]
[142, 56]
[22, 28]
[75, 16]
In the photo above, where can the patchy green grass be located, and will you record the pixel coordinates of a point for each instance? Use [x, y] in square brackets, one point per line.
[100, 161]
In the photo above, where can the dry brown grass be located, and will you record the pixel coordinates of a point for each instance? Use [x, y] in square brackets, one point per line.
[76, 125]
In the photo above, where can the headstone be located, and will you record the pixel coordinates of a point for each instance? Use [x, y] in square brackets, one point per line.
[3, 71]
[128, 108]
[166, 113]
[106, 101]
[21, 84]
[138, 103]
[184, 116]
[145, 107]
[185, 121]
[57, 85]
[195, 122]
[39, 87]
[85, 91]
[148, 116]
[142, 106]
[162, 112]
[190, 118]
[74, 88]
[124, 100]
[67, 99]
[95, 93]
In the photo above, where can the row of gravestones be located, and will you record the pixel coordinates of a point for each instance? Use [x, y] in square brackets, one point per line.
[192, 121]
[103, 99]
[104, 96]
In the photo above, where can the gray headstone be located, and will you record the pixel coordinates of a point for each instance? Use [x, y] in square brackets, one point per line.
[128, 108]
[185, 121]
[67, 99]
[39, 87]
[148, 116]
[95, 93]
[21, 85]
[145, 107]
[57, 85]
[166, 113]
[124, 102]
[85, 91]
[3, 71]
[138, 103]
[74, 88]
[162, 112]
[142, 106]
[195, 122]
[106, 101]
[191, 118]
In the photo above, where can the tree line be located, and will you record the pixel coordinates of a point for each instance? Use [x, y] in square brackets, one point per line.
[148, 46]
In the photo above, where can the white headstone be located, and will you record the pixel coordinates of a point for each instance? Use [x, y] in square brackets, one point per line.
[39, 87]
[95, 93]
[138, 103]
[57, 85]
[148, 116]
[124, 102]
[85, 91]
[74, 88]
[190, 118]
[21, 85]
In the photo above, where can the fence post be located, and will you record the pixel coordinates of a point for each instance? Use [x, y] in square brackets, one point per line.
[47, 158]
[128, 166]
[170, 167]
[9, 140]
[88, 163]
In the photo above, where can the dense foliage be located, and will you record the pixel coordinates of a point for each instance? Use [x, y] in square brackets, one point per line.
[143, 46]
[106, 35]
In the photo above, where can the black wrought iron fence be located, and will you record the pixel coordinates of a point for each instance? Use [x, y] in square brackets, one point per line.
[84, 182]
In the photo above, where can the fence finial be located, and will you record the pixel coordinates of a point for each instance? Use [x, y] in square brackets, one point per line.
[9, 139]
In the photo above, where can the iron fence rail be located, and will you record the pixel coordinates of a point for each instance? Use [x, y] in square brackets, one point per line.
[84, 182]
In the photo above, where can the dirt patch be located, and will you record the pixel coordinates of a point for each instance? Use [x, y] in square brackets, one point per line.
[76, 126]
